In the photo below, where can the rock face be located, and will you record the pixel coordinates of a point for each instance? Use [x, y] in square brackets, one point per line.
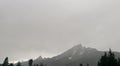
[76, 55]
[73, 57]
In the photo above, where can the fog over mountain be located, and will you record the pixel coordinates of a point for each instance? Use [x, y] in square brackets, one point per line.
[32, 28]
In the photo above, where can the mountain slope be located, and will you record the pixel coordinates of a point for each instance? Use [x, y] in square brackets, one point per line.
[77, 54]
[74, 56]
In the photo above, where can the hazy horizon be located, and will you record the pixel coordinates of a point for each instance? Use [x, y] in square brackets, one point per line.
[30, 28]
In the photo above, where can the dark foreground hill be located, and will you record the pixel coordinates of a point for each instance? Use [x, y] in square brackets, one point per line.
[73, 57]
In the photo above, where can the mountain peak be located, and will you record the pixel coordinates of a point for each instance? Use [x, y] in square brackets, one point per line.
[77, 51]
[39, 58]
[78, 47]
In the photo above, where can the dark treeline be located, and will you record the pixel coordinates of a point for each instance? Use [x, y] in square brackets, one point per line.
[108, 59]
[30, 63]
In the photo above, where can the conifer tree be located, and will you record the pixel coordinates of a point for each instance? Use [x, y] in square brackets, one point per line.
[6, 62]
[112, 61]
[104, 60]
[118, 64]
[19, 64]
[108, 59]
[11, 64]
[30, 62]
[81, 65]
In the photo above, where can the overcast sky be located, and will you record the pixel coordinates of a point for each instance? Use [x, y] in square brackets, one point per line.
[30, 28]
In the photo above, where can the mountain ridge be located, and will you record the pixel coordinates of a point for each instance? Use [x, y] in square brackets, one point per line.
[73, 57]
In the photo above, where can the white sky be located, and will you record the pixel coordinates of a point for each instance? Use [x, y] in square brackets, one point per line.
[29, 28]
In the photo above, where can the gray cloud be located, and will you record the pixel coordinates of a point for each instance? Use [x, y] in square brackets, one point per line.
[48, 27]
